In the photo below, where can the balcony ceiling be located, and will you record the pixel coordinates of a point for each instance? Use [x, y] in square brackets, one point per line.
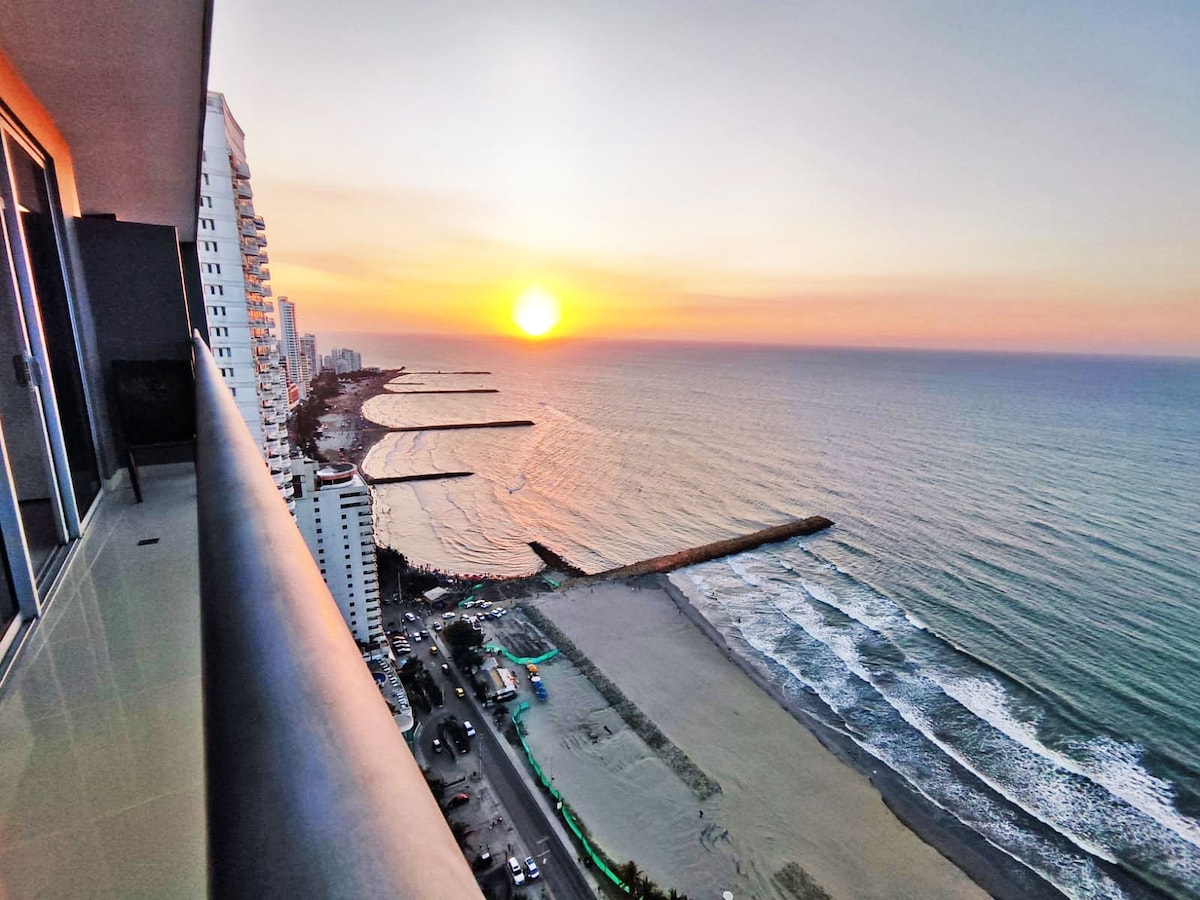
[124, 81]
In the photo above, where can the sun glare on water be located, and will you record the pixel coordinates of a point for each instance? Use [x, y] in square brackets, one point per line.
[536, 312]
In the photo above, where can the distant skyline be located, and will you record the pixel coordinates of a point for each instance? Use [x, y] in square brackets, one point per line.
[1022, 176]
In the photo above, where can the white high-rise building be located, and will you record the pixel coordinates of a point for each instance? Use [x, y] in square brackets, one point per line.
[230, 241]
[333, 512]
[289, 345]
[308, 349]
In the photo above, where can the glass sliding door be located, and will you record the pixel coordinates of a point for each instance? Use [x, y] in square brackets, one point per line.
[25, 436]
[38, 227]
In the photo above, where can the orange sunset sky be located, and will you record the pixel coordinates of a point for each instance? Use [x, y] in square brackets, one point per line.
[1018, 176]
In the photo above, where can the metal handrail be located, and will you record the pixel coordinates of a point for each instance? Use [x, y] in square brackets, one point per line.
[311, 789]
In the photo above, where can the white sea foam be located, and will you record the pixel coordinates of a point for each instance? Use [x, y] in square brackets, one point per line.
[1099, 804]
[1076, 876]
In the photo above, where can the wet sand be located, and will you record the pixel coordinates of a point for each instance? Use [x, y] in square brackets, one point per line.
[785, 797]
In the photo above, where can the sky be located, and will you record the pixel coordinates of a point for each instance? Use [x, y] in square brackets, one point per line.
[1008, 176]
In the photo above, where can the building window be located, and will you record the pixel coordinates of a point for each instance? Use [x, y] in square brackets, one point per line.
[217, 289]
[209, 246]
[206, 201]
[216, 310]
[224, 351]
[212, 268]
[227, 373]
[208, 225]
[219, 331]
[233, 391]
[204, 178]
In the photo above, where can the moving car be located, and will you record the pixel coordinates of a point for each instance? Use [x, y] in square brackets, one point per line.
[514, 869]
[409, 617]
[433, 650]
[469, 729]
[460, 693]
[459, 800]
[531, 868]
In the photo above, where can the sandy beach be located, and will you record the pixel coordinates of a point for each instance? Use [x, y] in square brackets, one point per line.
[785, 798]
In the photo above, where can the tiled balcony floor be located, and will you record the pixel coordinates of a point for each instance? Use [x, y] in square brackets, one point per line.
[101, 753]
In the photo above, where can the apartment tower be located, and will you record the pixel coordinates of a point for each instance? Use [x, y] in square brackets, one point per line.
[231, 242]
[333, 513]
[298, 373]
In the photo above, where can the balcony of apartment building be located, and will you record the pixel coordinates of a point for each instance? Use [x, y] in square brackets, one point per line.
[246, 227]
[242, 186]
[245, 209]
[182, 710]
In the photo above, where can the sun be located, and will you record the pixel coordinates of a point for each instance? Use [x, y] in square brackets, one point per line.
[536, 312]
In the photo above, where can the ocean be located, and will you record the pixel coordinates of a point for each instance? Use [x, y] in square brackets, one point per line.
[1006, 613]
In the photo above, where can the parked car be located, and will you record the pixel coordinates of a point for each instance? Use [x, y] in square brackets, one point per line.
[433, 650]
[514, 869]
[469, 728]
[437, 626]
[446, 669]
[458, 800]
[460, 693]
[449, 615]
[409, 617]
[531, 868]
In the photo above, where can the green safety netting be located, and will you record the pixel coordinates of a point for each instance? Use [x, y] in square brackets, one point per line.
[521, 660]
[561, 804]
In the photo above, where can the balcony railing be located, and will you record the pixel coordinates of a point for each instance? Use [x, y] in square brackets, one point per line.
[311, 790]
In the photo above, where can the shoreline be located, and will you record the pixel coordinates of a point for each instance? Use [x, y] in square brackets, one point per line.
[992, 869]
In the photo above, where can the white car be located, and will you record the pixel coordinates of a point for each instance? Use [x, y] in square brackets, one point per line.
[448, 615]
[531, 868]
[409, 617]
[470, 732]
[514, 869]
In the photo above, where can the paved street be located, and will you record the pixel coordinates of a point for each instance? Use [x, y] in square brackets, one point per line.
[498, 789]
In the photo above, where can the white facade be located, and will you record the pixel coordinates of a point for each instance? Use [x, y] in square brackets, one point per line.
[230, 242]
[308, 349]
[342, 360]
[333, 512]
[289, 344]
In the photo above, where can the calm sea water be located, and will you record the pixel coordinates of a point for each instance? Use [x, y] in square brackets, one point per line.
[1007, 612]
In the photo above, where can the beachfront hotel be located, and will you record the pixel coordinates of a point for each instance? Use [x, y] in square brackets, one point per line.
[333, 513]
[177, 687]
[231, 240]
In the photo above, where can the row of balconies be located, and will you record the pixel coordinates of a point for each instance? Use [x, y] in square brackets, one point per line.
[243, 188]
